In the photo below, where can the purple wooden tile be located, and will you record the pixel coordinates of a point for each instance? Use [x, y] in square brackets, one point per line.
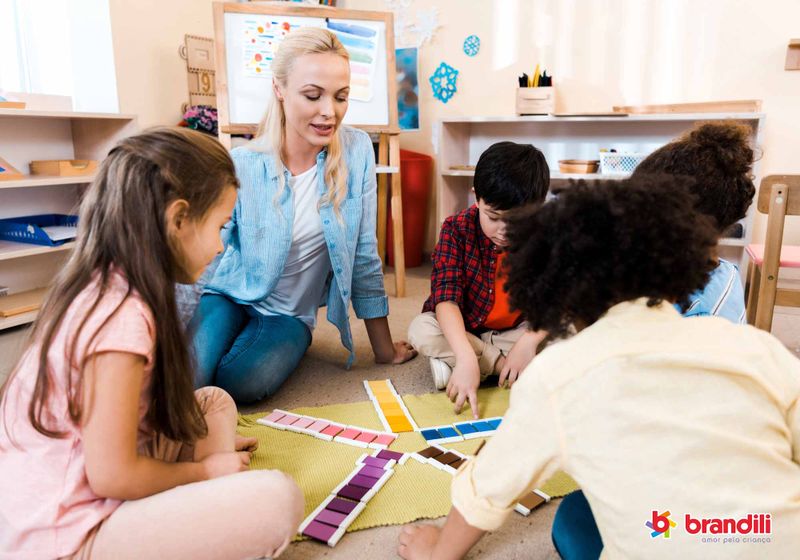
[319, 531]
[372, 472]
[333, 518]
[386, 454]
[352, 492]
[342, 506]
[363, 481]
[370, 461]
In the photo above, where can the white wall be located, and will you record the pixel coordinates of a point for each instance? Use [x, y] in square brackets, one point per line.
[601, 52]
[617, 52]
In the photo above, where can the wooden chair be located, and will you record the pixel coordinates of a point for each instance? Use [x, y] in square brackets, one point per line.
[778, 197]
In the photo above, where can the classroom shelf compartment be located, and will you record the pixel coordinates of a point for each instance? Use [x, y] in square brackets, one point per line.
[35, 181]
[461, 140]
[29, 113]
[17, 320]
[12, 250]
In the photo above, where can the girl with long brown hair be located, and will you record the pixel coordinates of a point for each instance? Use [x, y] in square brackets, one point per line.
[101, 432]
[302, 234]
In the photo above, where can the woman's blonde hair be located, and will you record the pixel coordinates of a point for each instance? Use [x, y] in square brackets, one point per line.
[271, 135]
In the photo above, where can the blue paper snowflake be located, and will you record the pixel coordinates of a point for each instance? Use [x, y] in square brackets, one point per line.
[443, 82]
[472, 45]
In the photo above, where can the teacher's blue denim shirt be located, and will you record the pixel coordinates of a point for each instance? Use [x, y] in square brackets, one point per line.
[260, 234]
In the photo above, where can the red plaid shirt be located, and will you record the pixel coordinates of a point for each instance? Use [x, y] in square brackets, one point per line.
[464, 263]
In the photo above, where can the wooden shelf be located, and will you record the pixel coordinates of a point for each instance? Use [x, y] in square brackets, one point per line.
[656, 117]
[733, 242]
[26, 305]
[17, 320]
[12, 250]
[45, 181]
[28, 113]
[553, 175]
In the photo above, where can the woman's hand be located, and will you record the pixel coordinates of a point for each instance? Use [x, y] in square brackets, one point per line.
[403, 352]
[386, 351]
[417, 542]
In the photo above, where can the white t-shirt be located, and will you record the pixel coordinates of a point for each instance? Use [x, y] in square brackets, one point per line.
[299, 290]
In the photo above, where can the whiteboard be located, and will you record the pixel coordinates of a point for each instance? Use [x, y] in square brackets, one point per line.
[251, 40]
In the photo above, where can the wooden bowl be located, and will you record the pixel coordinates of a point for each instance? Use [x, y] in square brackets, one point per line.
[578, 165]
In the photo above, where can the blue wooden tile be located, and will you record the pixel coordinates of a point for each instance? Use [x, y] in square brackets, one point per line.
[482, 426]
[448, 432]
[495, 422]
[430, 434]
[466, 428]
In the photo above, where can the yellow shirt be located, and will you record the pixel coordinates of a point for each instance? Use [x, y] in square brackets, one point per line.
[650, 411]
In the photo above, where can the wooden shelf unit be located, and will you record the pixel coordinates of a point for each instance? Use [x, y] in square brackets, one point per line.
[27, 135]
[461, 140]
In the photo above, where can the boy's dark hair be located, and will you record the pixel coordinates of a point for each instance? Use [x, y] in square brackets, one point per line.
[510, 175]
[719, 159]
[600, 244]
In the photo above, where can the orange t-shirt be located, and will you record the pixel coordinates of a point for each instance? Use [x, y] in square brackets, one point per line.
[501, 317]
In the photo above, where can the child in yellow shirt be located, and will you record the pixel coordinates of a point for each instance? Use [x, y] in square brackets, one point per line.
[671, 427]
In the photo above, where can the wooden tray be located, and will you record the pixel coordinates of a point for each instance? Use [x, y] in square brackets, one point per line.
[63, 167]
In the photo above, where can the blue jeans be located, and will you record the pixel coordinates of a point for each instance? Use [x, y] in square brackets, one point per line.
[246, 353]
[575, 533]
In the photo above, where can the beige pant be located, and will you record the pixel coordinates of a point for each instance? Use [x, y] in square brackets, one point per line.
[245, 515]
[426, 336]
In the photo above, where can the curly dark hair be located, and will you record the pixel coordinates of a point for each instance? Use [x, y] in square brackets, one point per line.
[604, 243]
[719, 159]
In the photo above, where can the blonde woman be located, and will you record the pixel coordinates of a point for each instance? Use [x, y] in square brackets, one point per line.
[302, 233]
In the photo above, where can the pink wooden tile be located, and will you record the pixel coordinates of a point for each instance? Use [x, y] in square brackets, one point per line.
[350, 433]
[384, 439]
[332, 430]
[319, 425]
[288, 420]
[303, 423]
[274, 416]
[366, 437]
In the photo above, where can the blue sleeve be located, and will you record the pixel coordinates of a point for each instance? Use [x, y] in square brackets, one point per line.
[369, 296]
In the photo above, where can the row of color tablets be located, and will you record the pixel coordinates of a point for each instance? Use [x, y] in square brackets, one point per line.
[391, 409]
[461, 431]
[449, 460]
[327, 430]
[331, 519]
[443, 459]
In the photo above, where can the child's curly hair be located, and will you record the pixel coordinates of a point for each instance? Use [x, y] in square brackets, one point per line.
[604, 243]
[719, 159]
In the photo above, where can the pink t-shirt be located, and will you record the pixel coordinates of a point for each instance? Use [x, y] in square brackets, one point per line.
[46, 505]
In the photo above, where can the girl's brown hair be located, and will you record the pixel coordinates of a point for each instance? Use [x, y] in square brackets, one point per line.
[122, 228]
[717, 156]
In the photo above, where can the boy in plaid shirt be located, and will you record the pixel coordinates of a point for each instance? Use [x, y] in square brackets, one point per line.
[467, 328]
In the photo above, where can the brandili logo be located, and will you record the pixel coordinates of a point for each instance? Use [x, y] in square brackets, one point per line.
[660, 524]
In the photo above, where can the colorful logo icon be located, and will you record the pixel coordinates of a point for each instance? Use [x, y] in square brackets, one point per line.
[660, 524]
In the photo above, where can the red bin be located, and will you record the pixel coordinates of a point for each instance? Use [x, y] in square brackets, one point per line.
[415, 180]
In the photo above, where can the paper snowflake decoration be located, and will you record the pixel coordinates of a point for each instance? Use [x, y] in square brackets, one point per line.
[426, 26]
[443, 82]
[472, 45]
